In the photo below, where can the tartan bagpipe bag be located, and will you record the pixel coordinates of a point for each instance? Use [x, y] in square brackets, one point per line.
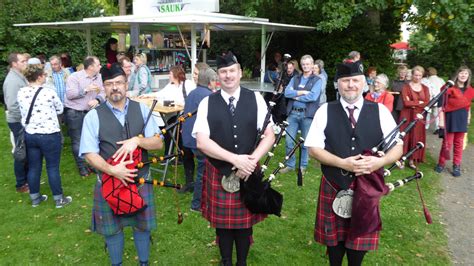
[123, 200]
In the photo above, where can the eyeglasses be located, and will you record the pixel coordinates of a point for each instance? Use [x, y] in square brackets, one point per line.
[116, 84]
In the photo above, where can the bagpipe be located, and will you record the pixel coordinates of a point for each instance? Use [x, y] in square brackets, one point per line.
[256, 193]
[363, 204]
[124, 199]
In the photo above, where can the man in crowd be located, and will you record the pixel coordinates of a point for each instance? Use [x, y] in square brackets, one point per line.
[206, 81]
[12, 84]
[340, 132]
[226, 129]
[58, 76]
[111, 131]
[303, 93]
[84, 92]
[128, 68]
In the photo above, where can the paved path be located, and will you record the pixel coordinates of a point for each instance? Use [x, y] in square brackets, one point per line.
[457, 203]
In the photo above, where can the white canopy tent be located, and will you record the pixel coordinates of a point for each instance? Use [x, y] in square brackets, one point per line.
[186, 21]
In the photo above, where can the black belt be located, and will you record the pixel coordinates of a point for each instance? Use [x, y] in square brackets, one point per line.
[79, 111]
[298, 109]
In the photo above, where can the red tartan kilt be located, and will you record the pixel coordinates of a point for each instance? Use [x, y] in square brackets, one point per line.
[331, 229]
[221, 208]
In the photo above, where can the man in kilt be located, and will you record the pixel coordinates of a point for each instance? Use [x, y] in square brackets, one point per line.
[225, 130]
[111, 131]
[341, 131]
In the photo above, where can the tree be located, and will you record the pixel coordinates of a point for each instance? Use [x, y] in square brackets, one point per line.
[36, 40]
[444, 34]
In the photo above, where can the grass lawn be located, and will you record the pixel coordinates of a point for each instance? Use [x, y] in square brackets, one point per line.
[49, 236]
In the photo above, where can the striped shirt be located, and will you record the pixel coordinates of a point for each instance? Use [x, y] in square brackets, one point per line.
[76, 97]
[59, 84]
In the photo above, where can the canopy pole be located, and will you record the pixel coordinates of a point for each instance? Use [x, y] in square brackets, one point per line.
[262, 54]
[193, 47]
[88, 41]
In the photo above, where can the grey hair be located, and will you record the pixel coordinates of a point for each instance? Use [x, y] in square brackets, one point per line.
[320, 64]
[206, 76]
[382, 78]
[307, 56]
[353, 54]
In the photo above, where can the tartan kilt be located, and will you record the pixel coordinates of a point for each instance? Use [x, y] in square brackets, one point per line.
[106, 223]
[221, 208]
[331, 229]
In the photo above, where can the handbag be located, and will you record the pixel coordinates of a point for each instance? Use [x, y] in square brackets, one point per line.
[19, 153]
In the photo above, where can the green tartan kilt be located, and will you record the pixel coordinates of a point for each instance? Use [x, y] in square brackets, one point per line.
[106, 223]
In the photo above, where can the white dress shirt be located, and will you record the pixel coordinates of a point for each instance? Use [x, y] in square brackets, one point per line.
[316, 137]
[202, 125]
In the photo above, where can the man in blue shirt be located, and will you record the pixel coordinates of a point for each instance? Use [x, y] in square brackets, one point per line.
[111, 131]
[206, 82]
[303, 94]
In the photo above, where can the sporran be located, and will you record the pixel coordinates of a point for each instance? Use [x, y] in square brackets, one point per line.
[231, 183]
[342, 204]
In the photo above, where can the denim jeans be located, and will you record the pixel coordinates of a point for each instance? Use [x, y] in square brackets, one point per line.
[47, 146]
[196, 202]
[297, 121]
[20, 168]
[74, 121]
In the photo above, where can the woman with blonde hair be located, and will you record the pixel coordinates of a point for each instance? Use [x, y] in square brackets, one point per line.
[142, 76]
[454, 119]
[415, 97]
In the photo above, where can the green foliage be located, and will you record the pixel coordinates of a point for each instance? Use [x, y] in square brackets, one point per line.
[445, 34]
[35, 40]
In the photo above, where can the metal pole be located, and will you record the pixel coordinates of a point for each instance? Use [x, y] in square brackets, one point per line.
[88, 41]
[262, 55]
[193, 47]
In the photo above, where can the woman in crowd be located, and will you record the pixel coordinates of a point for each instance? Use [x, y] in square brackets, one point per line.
[142, 76]
[397, 86]
[380, 93]
[111, 50]
[454, 119]
[371, 74]
[415, 97]
[42, 135]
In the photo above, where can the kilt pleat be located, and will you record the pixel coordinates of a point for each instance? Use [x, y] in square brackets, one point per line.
[106, 223]
[331, 229]
[221, 208]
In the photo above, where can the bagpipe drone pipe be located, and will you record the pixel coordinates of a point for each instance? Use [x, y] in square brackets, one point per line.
[124, 199]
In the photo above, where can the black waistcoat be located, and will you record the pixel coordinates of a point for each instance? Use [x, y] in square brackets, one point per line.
[237, 133]
[111, 131]
[343, 141]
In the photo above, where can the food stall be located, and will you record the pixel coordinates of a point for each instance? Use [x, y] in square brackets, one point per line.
[176, 32]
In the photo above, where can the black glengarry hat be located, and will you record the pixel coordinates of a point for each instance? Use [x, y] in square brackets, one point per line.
[226, 60]
[111, 71]
[349, 69]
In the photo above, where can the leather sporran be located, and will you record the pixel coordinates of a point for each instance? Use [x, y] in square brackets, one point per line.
[19, 153]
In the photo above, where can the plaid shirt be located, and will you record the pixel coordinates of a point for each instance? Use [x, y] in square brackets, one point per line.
[331, 229]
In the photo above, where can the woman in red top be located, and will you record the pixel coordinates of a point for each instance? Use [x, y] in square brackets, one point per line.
[454, 119]
[379, 94]
[415, 97]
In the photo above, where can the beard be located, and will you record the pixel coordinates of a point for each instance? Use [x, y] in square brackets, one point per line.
[116, 97]
[351, 98]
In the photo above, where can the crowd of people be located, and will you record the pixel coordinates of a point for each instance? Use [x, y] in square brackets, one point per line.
[109, 130]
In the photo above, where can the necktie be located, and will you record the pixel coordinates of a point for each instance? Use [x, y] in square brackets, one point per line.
[351, 116]
[231, 105]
